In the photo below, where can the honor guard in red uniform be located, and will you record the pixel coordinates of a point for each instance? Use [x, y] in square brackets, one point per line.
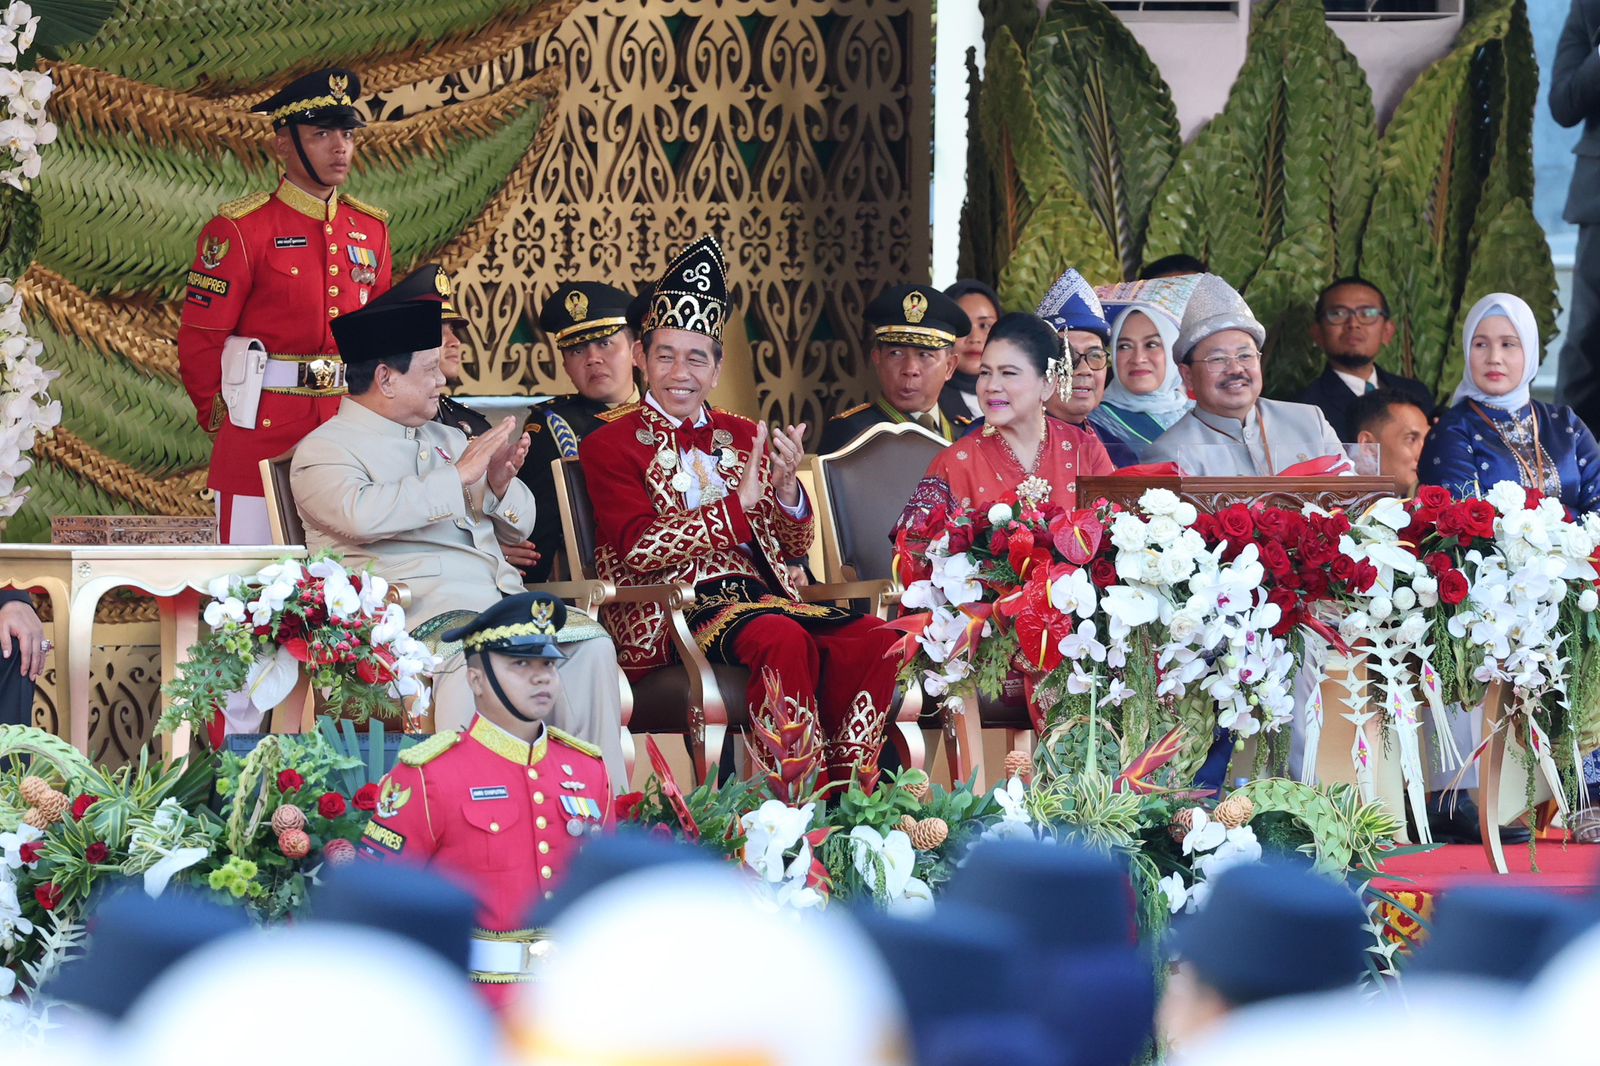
[683, 492]
[271, 272]
[503, 805]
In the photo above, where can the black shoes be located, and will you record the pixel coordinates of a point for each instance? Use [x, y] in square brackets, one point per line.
[1453, 819]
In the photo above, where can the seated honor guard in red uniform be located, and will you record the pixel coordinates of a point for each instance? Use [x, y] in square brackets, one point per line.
[271, 273]
[503, 805]
[683, 492]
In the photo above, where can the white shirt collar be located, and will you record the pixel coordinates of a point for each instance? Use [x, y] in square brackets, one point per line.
[705, 416]
[1358, 385]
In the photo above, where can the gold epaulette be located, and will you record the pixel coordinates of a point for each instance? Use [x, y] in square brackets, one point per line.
[573, 742]
[244, 205]
[857, 409]
[361, 205]
[617, 412]
[963, 420]
[431, 749]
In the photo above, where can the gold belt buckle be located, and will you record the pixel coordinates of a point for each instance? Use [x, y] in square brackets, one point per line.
[323, 373]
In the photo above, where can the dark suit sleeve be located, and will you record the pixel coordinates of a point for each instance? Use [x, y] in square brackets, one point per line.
[836, 433]
[1575, 75]
[15, 596]
[538, 476]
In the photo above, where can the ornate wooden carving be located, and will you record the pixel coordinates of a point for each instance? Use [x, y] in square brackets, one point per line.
[1212, 494]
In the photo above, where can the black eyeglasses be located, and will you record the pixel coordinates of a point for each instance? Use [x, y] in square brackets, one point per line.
[1336, 316]
[1096, 358]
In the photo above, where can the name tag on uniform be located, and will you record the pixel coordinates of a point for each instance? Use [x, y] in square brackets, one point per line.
[289, 242]
[498, 792]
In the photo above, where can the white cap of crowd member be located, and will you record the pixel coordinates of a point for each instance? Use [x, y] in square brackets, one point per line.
[700, 938]
[341, 994]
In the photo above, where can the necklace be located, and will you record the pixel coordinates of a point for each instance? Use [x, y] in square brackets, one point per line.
[1520, 435]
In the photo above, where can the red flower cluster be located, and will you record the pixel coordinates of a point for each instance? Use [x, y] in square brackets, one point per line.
[1435, 514]
[626, 806]
[366, 798]
[81, 805]
[331, 805]
[290, 781]
[96, 853]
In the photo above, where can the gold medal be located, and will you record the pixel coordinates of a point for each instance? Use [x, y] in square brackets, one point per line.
[645, 437]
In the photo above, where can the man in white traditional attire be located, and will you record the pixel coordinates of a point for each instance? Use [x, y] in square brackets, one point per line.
[1232, 431]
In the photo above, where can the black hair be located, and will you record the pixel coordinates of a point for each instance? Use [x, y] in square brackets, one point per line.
[1036, 337]
[1168, 265]
[973, 287]
[1349, 279]
[358, 377]
[1372, 409]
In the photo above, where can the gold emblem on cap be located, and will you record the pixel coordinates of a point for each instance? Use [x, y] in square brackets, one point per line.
[441, 282]
[338, 84]
[915, 306]
[577, 305]
[542, 611]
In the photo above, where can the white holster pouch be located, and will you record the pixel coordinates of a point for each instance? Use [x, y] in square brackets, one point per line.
[244, 371]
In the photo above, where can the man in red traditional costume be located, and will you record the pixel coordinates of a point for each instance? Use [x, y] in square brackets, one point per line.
[271, 273]
[684, 492]
[503, 805]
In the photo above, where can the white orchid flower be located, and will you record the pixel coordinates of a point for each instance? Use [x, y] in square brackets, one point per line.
[11, 845]
[1074, 593]
[1013, 800]
[956, 577]
[884, 861]
[771, 831]
[1204, 834]
[1175, 890]
[169, 866]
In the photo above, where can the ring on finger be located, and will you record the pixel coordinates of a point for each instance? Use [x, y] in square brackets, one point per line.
[45, 645]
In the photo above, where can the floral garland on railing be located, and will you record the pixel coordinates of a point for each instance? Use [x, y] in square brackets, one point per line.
[290, 619]
[25, 407]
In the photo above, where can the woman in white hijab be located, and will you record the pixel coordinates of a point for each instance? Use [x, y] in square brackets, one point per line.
[1495, 431]
[1145, 395]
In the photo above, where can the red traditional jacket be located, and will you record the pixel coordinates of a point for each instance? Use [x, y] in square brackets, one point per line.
[279, 267]
[646, 533]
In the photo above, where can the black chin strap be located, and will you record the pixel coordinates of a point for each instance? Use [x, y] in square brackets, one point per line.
[305, 161]
[500, 693]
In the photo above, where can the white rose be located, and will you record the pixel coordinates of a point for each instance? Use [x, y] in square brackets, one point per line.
[1507, 497]
[1163, 530]
[1404, 598]
[1159, 502]
[1174, 567]
[1185, 514]
[1427, 589]
[1184, 626]
[1128, 533]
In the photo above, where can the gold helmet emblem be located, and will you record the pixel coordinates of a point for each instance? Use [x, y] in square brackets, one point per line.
[542, 613]
[577, 306]
[915, 306]
[339, 86]
[441, 282]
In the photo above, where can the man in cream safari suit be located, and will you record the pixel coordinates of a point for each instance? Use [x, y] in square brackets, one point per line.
[381, 482]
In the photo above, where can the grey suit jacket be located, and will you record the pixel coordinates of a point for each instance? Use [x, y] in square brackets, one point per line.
[376, 491]
[1575, 98]
[1206, 445]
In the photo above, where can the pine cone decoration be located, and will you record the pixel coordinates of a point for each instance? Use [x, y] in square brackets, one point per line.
[52, 807]
[339, 852]
[294, 844]
[1182, 822]
[288, 817]
[34, 790]
[34, 818]
[1019, 764]
[1235, 811]
[922, 792]
[929, 833]
[908, 825]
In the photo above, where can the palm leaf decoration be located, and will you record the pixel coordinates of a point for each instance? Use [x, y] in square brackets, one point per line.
[63, 23]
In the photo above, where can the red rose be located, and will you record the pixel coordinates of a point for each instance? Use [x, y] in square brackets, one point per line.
[366, 798]
[1103, 572]
[1316, 553]
[31, 852]
[96, 853]
[1438, 563]
[1480, 518]
[1343, 568]
[1235, 522]
[1452, 521]
[626, 806]
[48, 895]
[1289, 604]
[1453, 587]
[1275, 559]
[1314, 584]
[81, 805]
[1366, 577]
[331, 805]
[1433, 497]
[1206, 526]
[1270, 523]
[290, 781]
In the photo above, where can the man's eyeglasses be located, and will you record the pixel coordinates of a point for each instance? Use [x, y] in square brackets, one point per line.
[1093, 358]
[1337, 316]
[1217, 364]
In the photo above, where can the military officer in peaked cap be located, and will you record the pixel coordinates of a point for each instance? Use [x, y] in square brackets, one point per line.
[272, 272]
[914, 331]
[504, 804]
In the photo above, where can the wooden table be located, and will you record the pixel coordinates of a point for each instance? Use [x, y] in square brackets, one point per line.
[76, 577]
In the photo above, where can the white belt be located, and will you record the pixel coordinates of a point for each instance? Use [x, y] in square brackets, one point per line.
[505, 959]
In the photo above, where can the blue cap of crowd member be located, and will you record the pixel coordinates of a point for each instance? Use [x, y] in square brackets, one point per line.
[1272, 930]
[607, 858]
[1502, 934]
[966, 998]
[1071, 303]
[409, 901]
[133, 940]
[1088, 974]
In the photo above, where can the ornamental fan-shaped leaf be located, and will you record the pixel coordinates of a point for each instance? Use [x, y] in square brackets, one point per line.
[1283, 297]
[1108, 115]
[54, 491]
[1007, 119]
[1051, 241]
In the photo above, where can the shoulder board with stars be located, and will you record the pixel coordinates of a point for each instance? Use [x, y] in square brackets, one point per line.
[617, 412]
[857, 409]
[365, 208]
[236, 209]
[573, 742]
[431, 748]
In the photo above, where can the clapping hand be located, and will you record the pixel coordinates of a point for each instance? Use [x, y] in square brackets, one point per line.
[788, 449]
[482, 450]
[507, 461]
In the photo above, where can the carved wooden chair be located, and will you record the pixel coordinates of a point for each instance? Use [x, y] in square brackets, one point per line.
[712, 702]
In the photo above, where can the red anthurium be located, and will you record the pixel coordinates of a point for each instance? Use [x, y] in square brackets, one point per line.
[1077, 536]
[1039, 636]
[1019, 550]
[297, 647]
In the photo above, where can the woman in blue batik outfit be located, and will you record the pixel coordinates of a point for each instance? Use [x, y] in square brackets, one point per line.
[1495, 431]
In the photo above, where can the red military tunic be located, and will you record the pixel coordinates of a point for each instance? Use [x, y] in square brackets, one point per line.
[503, 818]
[279, 267]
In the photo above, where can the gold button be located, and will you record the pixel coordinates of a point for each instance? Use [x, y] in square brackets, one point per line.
[294, 272]
[533, 775]
[266, 423]
[538, 797]
[423, 454]
[333, 312]
[333, 249]
[494, 827]
[327, 227]
[333, 290]
[333, 270]
[544, 847]
[545, 872]
[541, 822]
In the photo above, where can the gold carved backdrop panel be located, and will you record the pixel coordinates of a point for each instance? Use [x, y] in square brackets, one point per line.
[796, 130]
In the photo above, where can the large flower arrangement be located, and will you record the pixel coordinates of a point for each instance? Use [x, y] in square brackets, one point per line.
[268, 627]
